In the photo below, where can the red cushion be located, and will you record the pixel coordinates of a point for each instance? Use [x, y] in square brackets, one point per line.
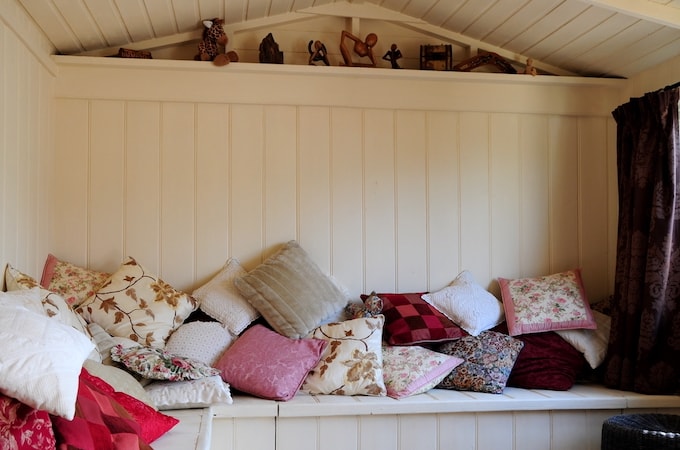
[546, 362]
[411, 320]
[100, 422]
[24, 428]
[153, 424]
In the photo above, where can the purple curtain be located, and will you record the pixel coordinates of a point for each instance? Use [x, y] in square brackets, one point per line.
[644, 345]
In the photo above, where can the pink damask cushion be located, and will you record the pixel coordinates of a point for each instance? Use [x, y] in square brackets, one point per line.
[547, 303]
[24, 428]
[263, 363]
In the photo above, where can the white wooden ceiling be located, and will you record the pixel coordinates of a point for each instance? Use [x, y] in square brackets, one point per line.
[601, 38]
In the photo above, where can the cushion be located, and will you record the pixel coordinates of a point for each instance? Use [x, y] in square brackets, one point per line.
[266, 364]
[411, 320]
[200, 341]
[546, 362]
[23, 427]
[291, 292]
[41, 360]
[220, 299]
[119, 379]
[489, 359]
[411, 370]
[72, 282]
[198, 393]
[27, 298]
[468, 304]
[136, 304]
[100, 422]
[547, 303]
[157, 364]
[352, 362]
[15, 279]
[591, 343]
[152, 423]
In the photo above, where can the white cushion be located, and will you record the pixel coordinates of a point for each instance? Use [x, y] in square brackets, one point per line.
[202, 341]
[41, 360]
[189, 394]
[592, 343]
[467, 304]
[220, 299]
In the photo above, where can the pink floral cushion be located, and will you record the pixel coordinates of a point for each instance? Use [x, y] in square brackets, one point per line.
[72, 282]
[411, 370]
[24, 428]
[266, 364]
[157, 364]
[547, 303]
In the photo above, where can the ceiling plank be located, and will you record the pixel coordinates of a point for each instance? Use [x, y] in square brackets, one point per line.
[651, 11]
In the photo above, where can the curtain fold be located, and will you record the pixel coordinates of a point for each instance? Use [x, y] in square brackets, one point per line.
[644, 345]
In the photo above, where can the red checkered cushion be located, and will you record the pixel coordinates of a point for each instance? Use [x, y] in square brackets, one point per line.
[411, 320]
[100, 423]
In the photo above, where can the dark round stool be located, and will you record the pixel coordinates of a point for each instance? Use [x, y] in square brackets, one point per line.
[641, 432]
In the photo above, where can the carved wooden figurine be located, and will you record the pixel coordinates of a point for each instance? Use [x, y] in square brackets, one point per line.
[392, 55]
[363, 49]
[317, 52]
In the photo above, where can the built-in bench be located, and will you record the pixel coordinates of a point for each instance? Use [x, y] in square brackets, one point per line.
[518, 419]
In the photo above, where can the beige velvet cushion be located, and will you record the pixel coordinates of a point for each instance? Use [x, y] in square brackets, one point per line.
[291, 292]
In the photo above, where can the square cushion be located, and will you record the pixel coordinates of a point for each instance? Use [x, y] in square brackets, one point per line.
[72, 282]
[468, 304]
[547, 303]
[266, 364]
[15, 279]
[489, 359]
[152, 423]
[591, 343]
[411, 320]
[291, 292]
[157, 364]
[40, 360]
[352, 362]
[546, 362]
[220, 299]
[411, 370]
[119, 379]
[200, 341]
[136, 304]
[100, 422]
[23, 427]
[198, 393]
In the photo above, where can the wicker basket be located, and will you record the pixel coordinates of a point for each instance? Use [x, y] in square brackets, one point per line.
[641, 432]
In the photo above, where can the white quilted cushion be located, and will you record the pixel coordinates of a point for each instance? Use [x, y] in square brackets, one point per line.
[220, 299]
[189, 394]
[467, 304]
[41, 359]
[202, 341]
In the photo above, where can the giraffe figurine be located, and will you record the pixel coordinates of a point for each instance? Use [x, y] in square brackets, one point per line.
[214, 39]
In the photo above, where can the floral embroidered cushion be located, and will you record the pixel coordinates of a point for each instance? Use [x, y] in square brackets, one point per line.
[352, 363]
[136, 304]
[546, 303]
[23, 427]
[157, 364]
[72, 282]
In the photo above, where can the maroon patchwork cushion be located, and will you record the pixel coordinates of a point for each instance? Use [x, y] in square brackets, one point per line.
[23, 427]
[411, 320]
[100, 422]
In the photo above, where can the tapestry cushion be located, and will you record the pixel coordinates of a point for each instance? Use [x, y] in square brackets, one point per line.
[489, 359]
[200, 341]
[220, 299]
[411, 320]
[23, 427]
[100, 422]
[546, 303]
[71, 281]
[592, 343]
[352, 362]
[411, 370]
[198, 393]
[468, 304]
[40, 360]
[263, 363]
[135, 304]
[291, 292]
[157, 364]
